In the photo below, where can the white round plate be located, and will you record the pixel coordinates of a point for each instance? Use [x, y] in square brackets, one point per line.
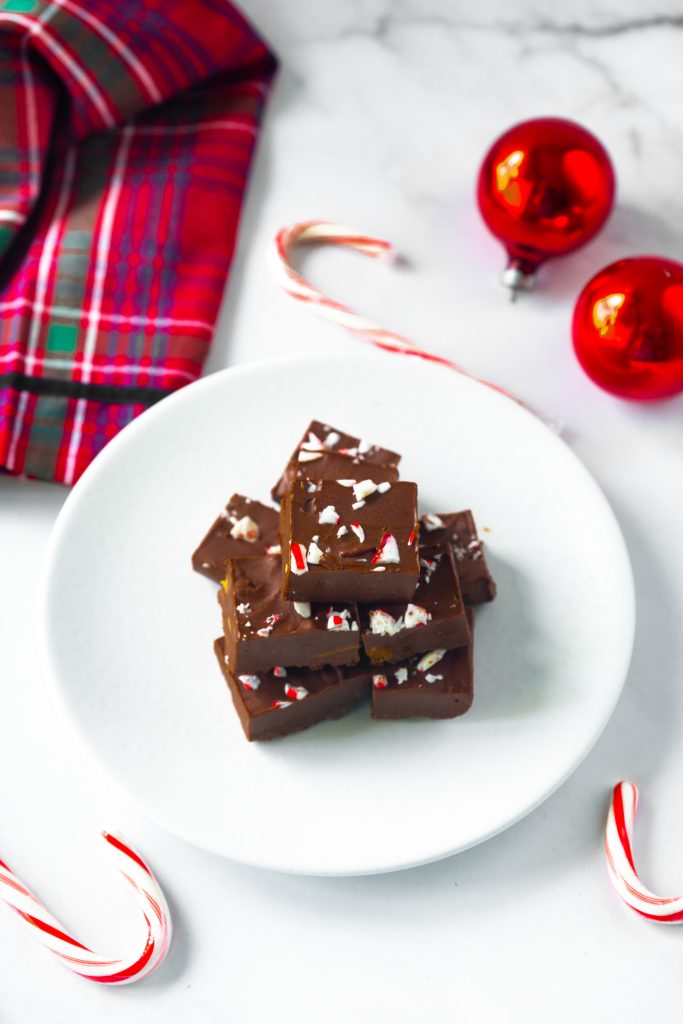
[129, 626]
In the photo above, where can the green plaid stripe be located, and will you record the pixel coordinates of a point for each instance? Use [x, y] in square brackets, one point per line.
[20, 6]
[47, 432]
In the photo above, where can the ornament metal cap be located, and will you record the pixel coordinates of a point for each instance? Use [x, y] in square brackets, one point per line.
[518, 278]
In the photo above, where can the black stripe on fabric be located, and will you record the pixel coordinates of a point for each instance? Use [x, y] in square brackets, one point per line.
[77, 389]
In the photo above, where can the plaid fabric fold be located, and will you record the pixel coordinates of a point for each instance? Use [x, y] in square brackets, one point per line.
[126, 135]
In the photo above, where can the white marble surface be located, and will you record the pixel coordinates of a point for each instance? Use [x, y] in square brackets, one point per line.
[381, 114]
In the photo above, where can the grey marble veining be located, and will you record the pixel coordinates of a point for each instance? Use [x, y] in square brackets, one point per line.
[382, 112]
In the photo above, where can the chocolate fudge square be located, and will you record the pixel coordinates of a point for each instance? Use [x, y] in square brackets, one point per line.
[283, 701]
[263, 631]
[344, 540]
[244, 529]
[459, 530]
[325, 453]
[438, 684]
[436, 616]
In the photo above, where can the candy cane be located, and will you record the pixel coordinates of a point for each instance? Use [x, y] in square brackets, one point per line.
[79, 958]
[620, 864]
[325, 233]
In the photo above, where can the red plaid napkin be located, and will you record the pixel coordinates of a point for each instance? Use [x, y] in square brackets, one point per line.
[126, 133]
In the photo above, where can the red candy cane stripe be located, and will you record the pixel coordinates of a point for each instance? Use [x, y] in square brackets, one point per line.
[620, 864]
[387, 544]
[79, 958]
[298, 559]
[322, 232]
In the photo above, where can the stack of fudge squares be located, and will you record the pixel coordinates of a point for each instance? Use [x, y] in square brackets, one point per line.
[343, 592]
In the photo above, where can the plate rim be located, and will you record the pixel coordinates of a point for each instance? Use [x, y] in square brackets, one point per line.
[213, 380]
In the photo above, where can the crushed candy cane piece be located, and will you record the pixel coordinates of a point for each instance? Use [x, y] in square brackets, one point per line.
[384, 624]
[401, 675]
[430, 659]
[428, 565]
[303, 608]
[329, 515]
[314, 554]
[250, 682]
[379, 568]
[311, 486]
[359, 531]
[431, 678]
[474, 549]
[246, 529]
[364, 489]
[362, 448]
[346, 483]
[380, 681]
[342, 531]
[357, 504]
[312, 449]
[315, 448]
[339, 620]
[416, 615]
[411, 538]
[273, 549]
[244, 608]
[432, 522]
[387, 552]
[281, 703]
[280, 671]
[309, 456]
[298, 559]
[296, 692]
[383, 487]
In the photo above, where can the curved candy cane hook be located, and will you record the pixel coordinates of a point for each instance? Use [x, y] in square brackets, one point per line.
[322, 232]
[79, 958]
[621, 866]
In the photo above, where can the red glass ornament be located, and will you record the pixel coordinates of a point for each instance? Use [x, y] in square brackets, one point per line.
[545, 188]
[628, 328]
